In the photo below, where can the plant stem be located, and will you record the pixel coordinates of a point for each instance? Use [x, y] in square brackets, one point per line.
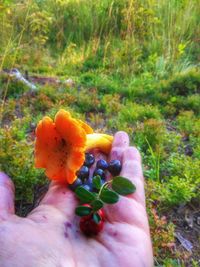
[102, 187]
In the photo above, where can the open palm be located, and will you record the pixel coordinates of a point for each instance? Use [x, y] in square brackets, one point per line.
[50, 235]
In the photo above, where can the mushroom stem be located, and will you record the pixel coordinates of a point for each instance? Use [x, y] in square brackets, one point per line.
[103, 142]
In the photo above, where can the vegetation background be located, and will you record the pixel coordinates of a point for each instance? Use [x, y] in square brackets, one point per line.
[128, 65]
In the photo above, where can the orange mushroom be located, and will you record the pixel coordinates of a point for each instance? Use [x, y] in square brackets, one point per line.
[61, 145]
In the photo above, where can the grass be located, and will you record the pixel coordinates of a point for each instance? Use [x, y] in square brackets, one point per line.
[135, 66]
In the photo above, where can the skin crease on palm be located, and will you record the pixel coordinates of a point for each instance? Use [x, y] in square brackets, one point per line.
[50, 236]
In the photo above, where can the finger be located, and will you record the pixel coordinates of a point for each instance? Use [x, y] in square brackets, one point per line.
[132, 169]
[130, 209]
[6, 196]
[58, 197]
[120, 143]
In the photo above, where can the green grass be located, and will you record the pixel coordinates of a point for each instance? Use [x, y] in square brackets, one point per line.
[136, 68]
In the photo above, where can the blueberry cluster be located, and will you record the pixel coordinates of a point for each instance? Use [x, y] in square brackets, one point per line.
[102, 166]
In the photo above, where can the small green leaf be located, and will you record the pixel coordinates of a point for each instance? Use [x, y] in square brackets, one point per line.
[83, 211]
[97, 204]
[123, 186]
[97, 182]
[108, 196]
[84, 195]
[96, 218]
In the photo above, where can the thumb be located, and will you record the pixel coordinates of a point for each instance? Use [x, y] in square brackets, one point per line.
[61, 197]
[6, 196]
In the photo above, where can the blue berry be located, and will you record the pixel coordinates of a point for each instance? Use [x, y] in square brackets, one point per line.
[115, 167]
[89, 160]
[87, 187]
[99, 172]
[75, 184]
[83, 173]
[103, 180]
[102, 164]
[89, 183]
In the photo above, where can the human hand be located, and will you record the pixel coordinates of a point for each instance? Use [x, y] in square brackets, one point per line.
[50, 237]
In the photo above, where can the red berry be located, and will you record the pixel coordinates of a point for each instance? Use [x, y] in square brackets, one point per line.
[86, 205]
[101, 214]
[89, 227]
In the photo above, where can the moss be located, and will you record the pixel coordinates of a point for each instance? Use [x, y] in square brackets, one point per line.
[183, 84]
[150, 133]
[132, 112]
[188, 123]
[16, 159]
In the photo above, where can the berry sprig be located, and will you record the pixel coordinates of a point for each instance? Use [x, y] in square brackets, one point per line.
[94, 192]
[108, 193]
[90, 210]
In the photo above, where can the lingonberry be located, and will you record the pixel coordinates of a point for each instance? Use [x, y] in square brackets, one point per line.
[88, 225]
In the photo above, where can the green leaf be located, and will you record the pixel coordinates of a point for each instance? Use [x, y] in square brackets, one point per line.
[83, 211]
[97, 182]
[96, 218]
[108, 196]
[84, 195]
[123, 186]
[97, 204]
